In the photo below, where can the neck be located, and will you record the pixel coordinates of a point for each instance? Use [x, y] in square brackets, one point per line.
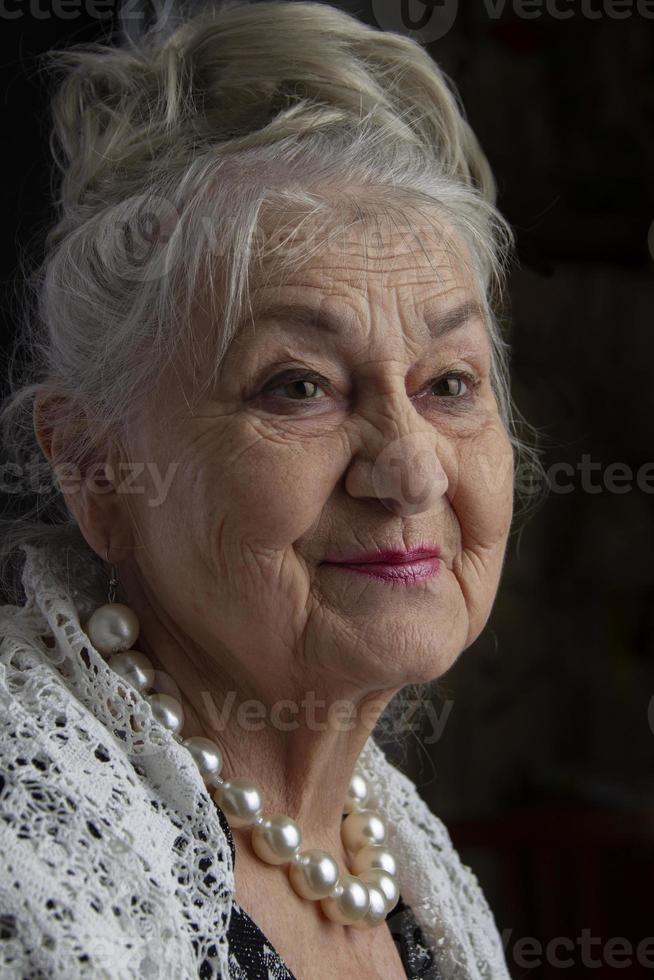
[298, 740]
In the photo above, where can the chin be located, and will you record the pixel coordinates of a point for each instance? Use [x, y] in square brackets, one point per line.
[431, 668]
[384, 665]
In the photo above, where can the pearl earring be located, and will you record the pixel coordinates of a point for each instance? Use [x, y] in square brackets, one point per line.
[361, 898]
[113, 630]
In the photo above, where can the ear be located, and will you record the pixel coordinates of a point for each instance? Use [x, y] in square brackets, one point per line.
[85, 471]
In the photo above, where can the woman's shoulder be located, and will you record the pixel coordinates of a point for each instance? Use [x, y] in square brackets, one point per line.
[99, 868]
[444, 893]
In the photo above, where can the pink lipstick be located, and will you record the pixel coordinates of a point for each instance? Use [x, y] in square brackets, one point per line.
[392, 565]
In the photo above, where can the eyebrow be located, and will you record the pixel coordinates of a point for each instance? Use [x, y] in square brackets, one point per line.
[443, 322]
[439, 322]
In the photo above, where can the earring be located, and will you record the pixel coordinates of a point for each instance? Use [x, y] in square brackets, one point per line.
[113, 629]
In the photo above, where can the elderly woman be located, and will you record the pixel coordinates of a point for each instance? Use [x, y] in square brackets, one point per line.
[266, 373]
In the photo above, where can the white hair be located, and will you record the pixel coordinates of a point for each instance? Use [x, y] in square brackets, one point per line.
[174, 146]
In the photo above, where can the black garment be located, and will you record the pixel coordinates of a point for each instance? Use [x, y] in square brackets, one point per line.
[253, 957]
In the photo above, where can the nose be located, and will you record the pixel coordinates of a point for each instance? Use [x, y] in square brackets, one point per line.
[399, 464]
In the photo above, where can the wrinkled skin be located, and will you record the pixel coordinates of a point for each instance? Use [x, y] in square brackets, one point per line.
[225, 573]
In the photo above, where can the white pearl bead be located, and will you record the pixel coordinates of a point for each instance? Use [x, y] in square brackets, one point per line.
[206, 754]
[374, 856]
[376, 910]
[276, 839]
[357, 794]
[240, 799]
[313, 874]
[168, 711]
[385, 883]
[113, 627]
[361, 828]
[349, 901]
[134, 667]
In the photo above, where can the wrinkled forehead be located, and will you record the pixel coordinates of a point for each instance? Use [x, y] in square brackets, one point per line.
[342, 265]
[388, 248]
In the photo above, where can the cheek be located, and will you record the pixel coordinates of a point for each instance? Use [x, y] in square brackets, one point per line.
[483, 498]
[267, 494]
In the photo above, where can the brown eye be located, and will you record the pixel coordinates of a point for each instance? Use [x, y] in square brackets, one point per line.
[304, 388]
[451, 385]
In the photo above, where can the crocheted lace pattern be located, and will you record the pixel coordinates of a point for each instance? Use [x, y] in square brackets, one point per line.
[114, 862]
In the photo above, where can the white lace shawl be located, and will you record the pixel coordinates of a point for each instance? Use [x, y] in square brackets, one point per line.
[113, 862]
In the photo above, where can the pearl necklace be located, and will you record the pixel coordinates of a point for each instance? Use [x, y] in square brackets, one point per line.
[361, 898]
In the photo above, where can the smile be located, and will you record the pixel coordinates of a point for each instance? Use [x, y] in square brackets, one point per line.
[414, 570]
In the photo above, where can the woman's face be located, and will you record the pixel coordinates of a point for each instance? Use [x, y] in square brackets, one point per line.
[363, 421]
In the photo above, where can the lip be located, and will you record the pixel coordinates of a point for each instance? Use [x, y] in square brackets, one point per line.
[387, 556]
[393, 565]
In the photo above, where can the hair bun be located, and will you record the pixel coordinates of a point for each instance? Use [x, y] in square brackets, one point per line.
[241, 75]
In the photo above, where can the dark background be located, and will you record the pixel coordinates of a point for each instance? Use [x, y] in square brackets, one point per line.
[543, 770]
